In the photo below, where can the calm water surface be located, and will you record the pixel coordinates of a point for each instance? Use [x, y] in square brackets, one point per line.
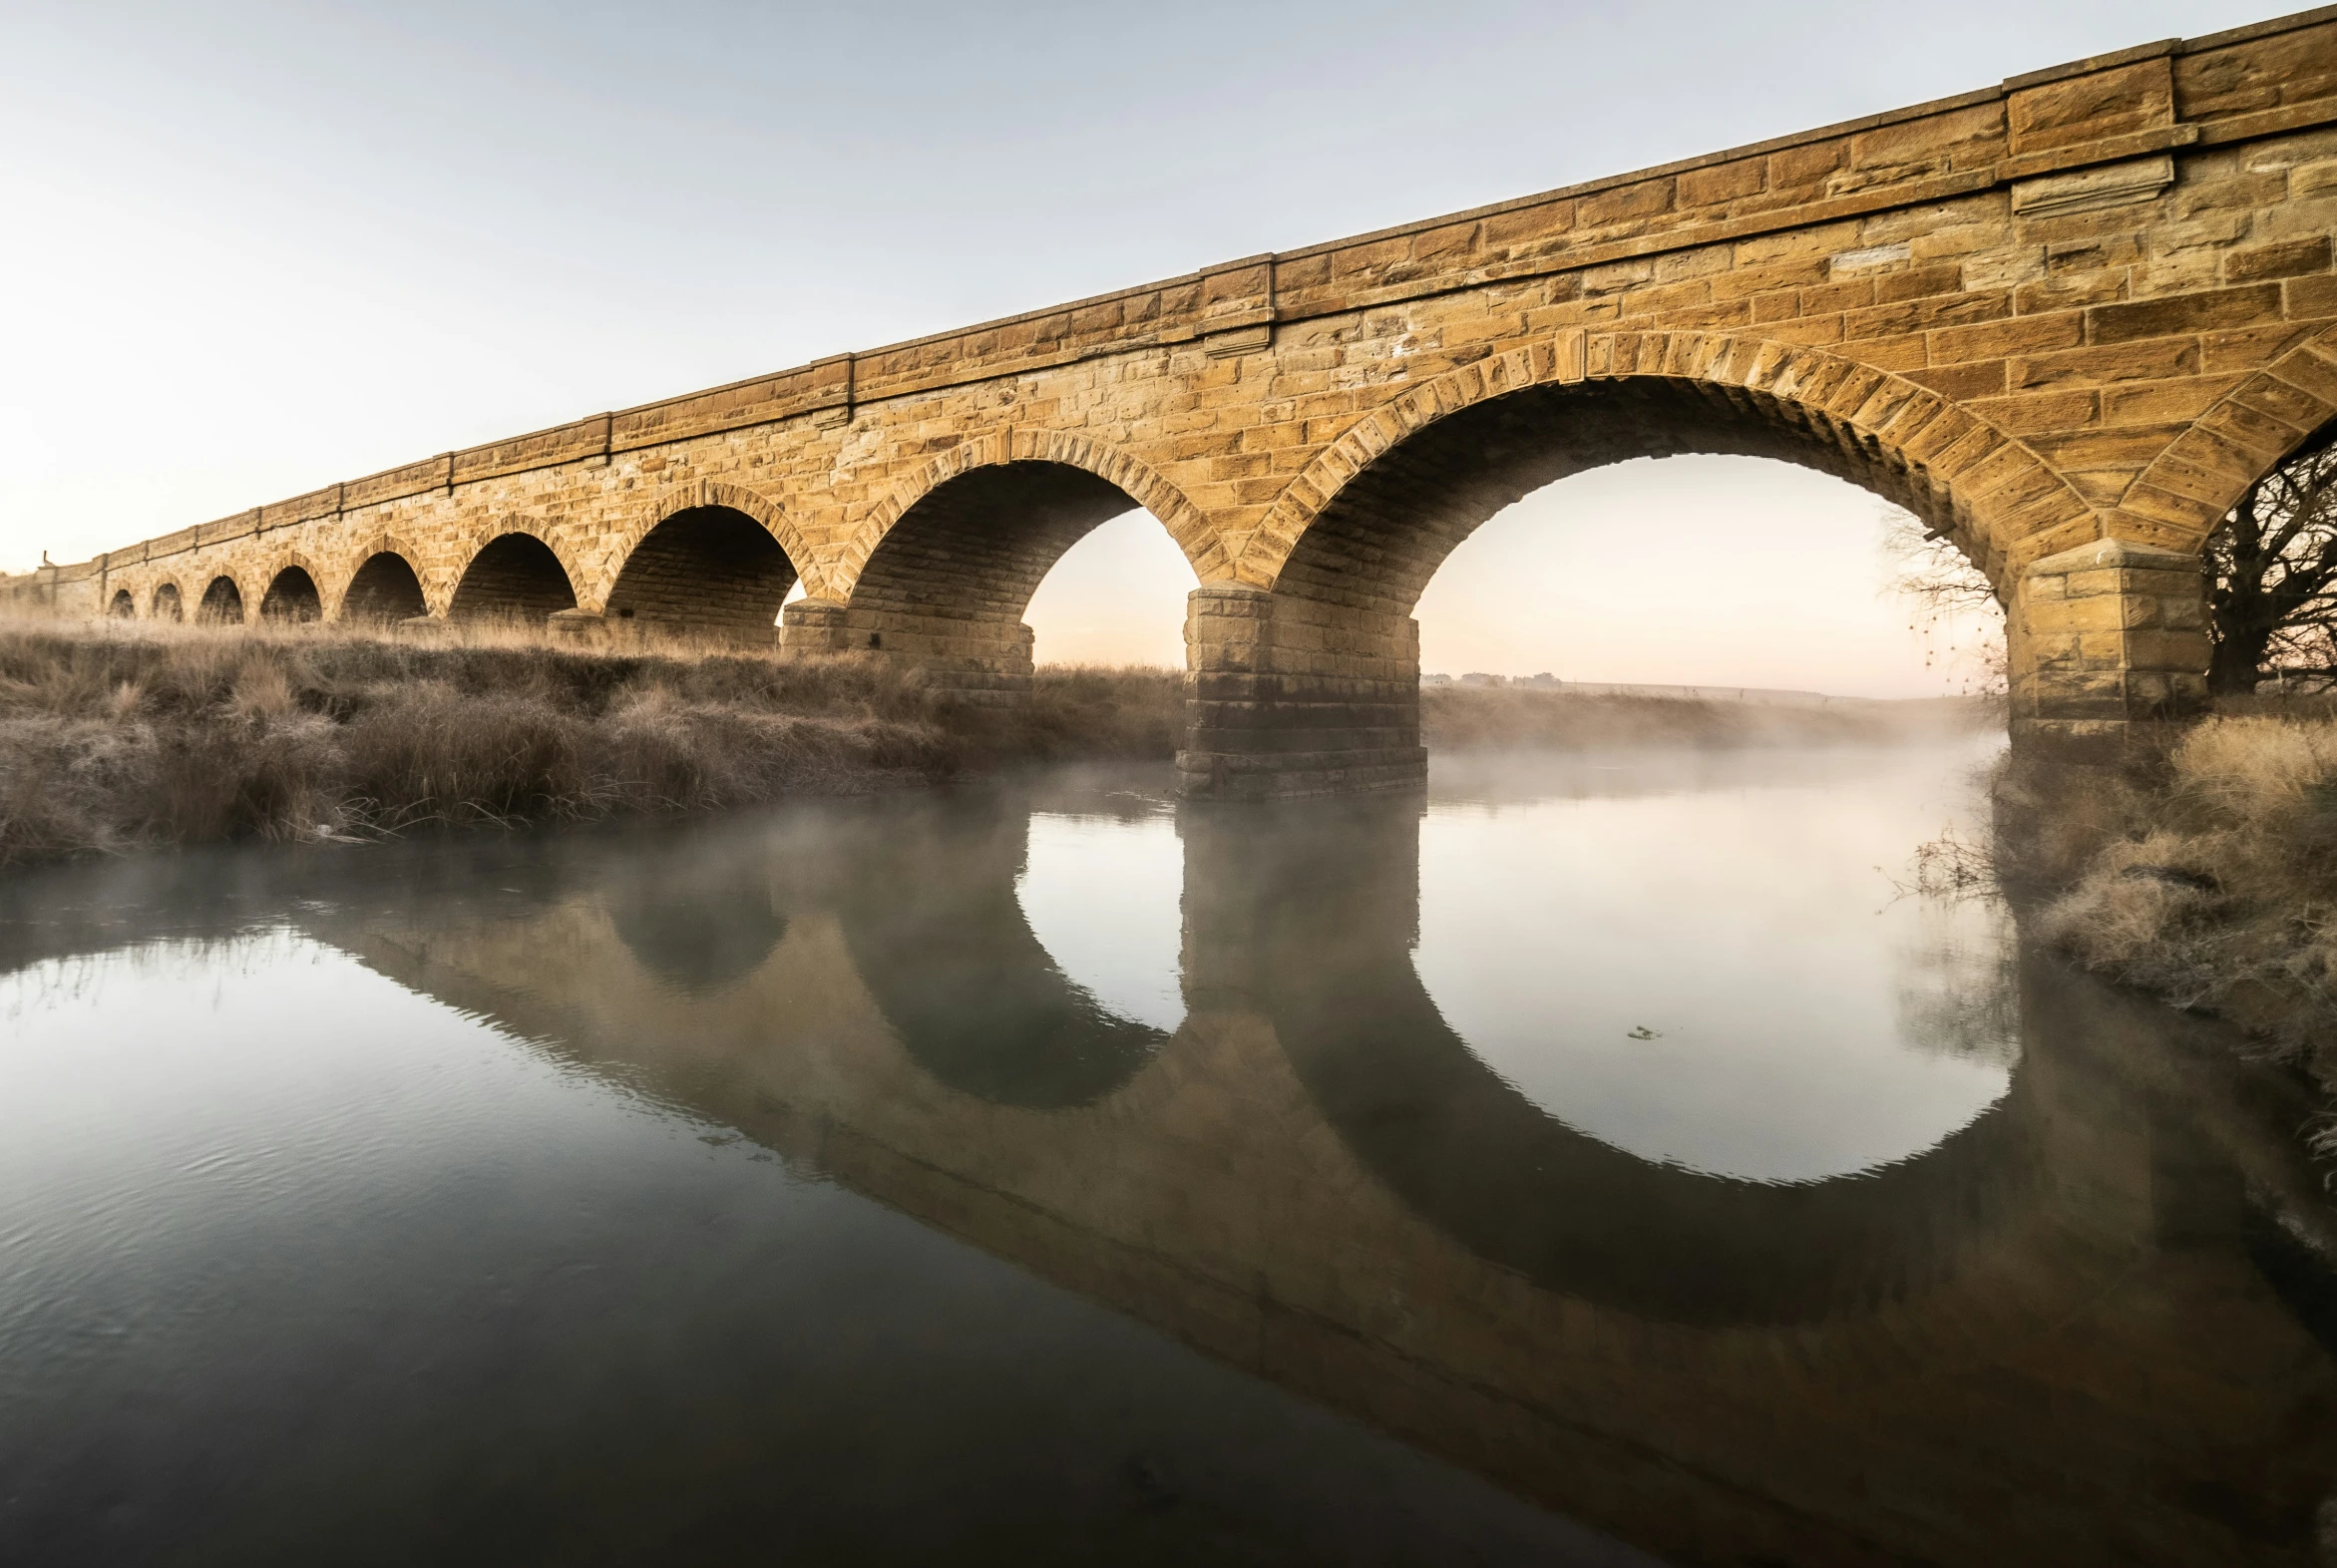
[1602, 1161]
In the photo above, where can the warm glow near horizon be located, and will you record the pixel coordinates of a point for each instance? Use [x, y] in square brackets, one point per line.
[1700, 570]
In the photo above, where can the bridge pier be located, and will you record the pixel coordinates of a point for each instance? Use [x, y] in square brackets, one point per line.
[977, 660]
[2103, 640]
[1287, 697]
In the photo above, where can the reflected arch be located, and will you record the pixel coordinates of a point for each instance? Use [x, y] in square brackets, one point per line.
[513, 578]
[1465, 1149]
[167, 604]
[221, 603]
[292, 599]
[974, 995]
[1313, 917]
[709, 570]
[384, 590]
[699, 922]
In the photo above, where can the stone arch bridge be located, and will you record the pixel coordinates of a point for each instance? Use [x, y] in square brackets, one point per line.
[2066, 320]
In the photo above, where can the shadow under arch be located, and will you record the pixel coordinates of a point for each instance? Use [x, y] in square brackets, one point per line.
[930, 914]
[292, 598]
[1318, 934]
[123, 606]
[221, 603]
[708, 569]
[515, 576]
[167, 604]
[385, 587]
[1376, 543]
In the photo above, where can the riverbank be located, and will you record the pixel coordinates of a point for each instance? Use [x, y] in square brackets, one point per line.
[112, 741]
[2206, 874]
[115, 739]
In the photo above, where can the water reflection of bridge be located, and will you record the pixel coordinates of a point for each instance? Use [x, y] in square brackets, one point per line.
[2030, 1343]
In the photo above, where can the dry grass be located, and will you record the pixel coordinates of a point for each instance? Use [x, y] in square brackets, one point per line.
[117, 736]
[2210, 879]
[110, 739]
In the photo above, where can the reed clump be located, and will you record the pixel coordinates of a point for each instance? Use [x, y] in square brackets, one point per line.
[2208, 877]
[112, 740]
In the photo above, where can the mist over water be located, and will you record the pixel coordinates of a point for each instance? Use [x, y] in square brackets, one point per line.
[1046, 1173]
[1713, 979]
[1102, 893]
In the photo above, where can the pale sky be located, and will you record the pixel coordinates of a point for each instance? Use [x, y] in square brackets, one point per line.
[1696, 571]
[252, 249]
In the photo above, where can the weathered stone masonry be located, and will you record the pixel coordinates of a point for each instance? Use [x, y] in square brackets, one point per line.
[2067, 320]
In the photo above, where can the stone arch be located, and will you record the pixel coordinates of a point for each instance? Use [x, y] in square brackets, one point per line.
[223, 603]
[737, 497]
[123, 606]
[1307, 662]
[1016, 444]
[2190, 486]
[384, 587]
[458, 545]
[1999, 501]
[516, 575]
[715, 559]
[294, 592]
[166, 603]
[932, 573]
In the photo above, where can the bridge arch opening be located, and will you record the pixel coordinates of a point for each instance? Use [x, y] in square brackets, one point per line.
[711, 572]
[1732, 577]
[123, 606]
[292, 599]
[384, 590]
[1373, 547]
[515, 578]
[1341, 676]
[950, 583]
[166, 606]
[221, 603]
[1117, 599]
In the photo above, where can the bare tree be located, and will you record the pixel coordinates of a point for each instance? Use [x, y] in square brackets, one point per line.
[1954, 606]
[2272, 590]
[2272, 596]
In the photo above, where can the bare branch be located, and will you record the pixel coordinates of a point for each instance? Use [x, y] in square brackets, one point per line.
[1954, 604]
[2273, 599]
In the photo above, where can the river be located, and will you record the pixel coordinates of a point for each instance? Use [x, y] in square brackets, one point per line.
[1604, 1160]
